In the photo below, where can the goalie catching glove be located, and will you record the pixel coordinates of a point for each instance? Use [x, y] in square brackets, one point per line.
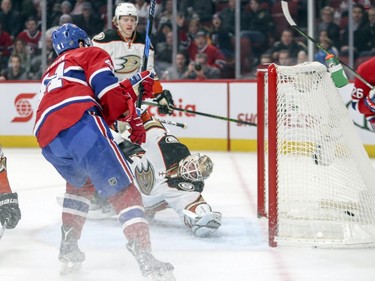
[165, 102]
[9, 210]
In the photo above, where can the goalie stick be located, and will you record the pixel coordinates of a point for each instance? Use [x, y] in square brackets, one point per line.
[285, 8]
[177, 124]
[206, 114]
[146, 50]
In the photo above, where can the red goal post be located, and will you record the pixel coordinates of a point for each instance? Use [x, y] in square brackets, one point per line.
[316, 183]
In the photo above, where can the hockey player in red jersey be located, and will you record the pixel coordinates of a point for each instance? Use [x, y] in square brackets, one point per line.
[10, 213]
[363, 97]
[80, 98]
[125, 47]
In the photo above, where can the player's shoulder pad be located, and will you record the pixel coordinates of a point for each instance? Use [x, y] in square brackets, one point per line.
[107, 36]
[140, 39]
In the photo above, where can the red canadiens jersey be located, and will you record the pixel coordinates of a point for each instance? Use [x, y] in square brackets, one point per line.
[360, 93]
[78, 80]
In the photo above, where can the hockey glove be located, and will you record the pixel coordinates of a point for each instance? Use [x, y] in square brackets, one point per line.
[165, 102]
[144, 78]
[9, 210]
[137, 132]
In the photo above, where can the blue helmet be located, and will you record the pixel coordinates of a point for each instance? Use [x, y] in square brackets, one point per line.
[68, 36]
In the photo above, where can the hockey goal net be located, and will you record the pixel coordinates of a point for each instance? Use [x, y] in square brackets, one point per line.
[316, 183]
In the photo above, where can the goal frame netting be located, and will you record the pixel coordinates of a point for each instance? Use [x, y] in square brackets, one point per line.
[340, 218]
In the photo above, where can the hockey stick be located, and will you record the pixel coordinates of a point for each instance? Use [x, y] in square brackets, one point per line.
[285, 8]
[146, 50]
[177, 124]
[2, 230]
[205, 114]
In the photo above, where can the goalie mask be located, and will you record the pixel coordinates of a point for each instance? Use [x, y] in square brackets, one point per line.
[195, 167]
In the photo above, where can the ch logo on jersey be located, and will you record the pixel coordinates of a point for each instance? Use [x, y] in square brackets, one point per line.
[127, 64]
[145, 177]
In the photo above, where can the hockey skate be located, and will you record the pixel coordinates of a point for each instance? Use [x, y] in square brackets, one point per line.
[70, 255]
[151, 268]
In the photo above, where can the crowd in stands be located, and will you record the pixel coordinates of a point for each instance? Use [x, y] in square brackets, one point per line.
[206, 40]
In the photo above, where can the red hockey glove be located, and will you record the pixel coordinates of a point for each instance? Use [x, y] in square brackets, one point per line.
[137, 132]
[144, 78]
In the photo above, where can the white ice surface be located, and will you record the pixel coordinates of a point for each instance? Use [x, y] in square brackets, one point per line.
[237, 252]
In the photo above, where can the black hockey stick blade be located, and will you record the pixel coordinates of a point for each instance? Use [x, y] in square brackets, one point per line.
[206, 114]
[146, 50]
[288, 17]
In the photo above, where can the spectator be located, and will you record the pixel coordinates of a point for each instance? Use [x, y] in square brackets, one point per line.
[163, 54]
[203, 8]
[228, 16]
[362, 33]
[88, 20]
[65, 10]
[161, 34]
[201, 45]
[65, 18]
[283, 58]
[5, 47]
[36, 71]
[187, 36]
[19, 49]
[15, 70]
[166, 15]
[327, 24]
[142, 7]
[220, 38]
[176, 73]
[371, 17]
[256, 25]
[200, 69]
[287, 42]
[11, 19]
[326, 44]
[31, 35]
[302, 57]
[78, 8]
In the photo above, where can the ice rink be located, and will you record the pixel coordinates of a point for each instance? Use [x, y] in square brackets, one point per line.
[237, 252]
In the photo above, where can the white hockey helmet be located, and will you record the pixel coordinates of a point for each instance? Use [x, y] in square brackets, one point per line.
[126, 9]
[195, 167]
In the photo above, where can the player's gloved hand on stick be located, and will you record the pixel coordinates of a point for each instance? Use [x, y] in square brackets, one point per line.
[9, 209]
[165, 102]
[145, 79]
[138, 132]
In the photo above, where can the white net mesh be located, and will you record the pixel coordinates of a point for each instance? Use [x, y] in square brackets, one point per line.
[325, 180]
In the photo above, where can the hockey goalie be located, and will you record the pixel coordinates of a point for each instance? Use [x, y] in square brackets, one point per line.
[168, 176]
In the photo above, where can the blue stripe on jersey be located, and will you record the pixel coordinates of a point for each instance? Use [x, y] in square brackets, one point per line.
[58, 106]
[102, 82]
[76, 205]
[131, 214]
[77, 74]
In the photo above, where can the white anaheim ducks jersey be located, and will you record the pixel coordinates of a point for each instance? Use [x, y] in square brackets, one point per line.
[126, 56]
